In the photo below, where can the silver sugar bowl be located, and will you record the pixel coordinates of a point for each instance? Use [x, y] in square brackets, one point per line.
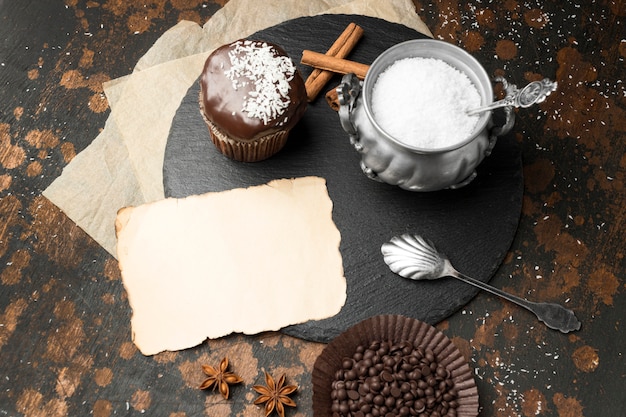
[386, 159]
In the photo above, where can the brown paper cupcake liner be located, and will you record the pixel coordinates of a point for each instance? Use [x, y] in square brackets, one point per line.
[393, 328]
[249, 151]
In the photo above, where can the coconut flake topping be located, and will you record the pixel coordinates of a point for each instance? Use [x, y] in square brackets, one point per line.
[258, 63]
[423, 102]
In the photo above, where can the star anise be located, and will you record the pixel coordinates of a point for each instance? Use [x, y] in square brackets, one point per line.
[275, 395]
[220, 378]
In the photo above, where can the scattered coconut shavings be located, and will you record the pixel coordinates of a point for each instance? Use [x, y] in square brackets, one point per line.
[259, 64]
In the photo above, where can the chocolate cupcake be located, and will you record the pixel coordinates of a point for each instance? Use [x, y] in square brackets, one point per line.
[251, 96]
[393, 365]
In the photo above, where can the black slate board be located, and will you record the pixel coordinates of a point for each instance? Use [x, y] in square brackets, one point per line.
[474, 225]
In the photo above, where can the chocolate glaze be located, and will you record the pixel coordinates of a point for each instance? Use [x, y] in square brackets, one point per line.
[222, 104]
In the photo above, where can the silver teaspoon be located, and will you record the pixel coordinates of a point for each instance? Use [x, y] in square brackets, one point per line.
[413, 257]
[533, 93]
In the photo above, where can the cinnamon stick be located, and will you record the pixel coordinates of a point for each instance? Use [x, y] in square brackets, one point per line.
[340, 49]
[331, 63]
[332, 98]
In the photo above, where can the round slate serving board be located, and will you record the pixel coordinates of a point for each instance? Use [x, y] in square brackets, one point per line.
[474, 225]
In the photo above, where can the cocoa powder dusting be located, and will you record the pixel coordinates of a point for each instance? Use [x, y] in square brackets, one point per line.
[486, 19]
[67, 381]
[586, 358]
[486, 332]
[449, 23]
[309, 353]
[18, 112]
[50, 225]
[102, 408]
[186, 4]
[65, 341]
[68, 151]
[534, 403]
[567, 406]
[553, 237]
[11, 154]
[86, 60]
[506, 49]
[165, 357]
[98, 103]
[34, 169]
[141, 400]
[103, 376]
[112, 270]
[10, 318]
[12, 273]
[603, 284]
[473, 41]
[72, 79]
[536, 18]
[33, 74]
[33, 404]
[5, 183]
[127, 350]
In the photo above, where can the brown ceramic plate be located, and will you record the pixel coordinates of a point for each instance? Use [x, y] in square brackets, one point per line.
[393, 328]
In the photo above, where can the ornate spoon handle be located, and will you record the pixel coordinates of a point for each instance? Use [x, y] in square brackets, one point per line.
[533, 93]
[555, 316]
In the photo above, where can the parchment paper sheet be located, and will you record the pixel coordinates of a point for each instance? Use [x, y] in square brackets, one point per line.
[243, 260]
[123, 165]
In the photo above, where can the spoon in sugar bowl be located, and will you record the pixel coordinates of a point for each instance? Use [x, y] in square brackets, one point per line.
[533, 93]
[413, 257]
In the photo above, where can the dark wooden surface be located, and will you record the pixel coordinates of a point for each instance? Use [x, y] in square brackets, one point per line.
[474, 225]
[65, 343]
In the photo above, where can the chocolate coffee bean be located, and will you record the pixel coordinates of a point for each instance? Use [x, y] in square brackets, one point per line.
[386, 376]
[399, 379]
[342, 394]
[419, 406]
